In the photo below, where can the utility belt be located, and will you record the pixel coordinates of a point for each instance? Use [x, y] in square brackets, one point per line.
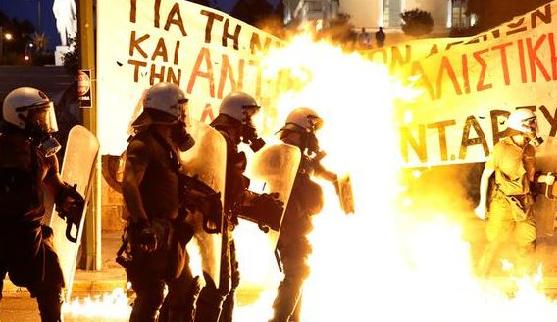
[521, 205]
[169, 257]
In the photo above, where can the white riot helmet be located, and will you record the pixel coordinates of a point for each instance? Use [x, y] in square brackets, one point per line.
[239, 106]
[303, 119]
[167, 98]
[306, 121]
[30, 109]
[522, 120]
[165, 104]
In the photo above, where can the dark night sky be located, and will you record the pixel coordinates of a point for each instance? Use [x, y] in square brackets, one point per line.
[29, 9]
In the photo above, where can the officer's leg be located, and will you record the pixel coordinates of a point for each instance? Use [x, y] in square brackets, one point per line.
[49, 291]
[179, 304]
[149, 290]
[209, 303]
[228, 305]
[525, 236]
[498, 227]
[49, 300]
[288, 294]
[296, 315]
[295, 272]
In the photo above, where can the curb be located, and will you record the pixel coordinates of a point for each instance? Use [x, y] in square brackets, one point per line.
[81, 288]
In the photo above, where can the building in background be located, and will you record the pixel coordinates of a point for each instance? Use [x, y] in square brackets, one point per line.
[319, 11]
[369, 15]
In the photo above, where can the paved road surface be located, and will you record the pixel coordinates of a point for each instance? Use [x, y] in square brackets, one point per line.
[52, 80]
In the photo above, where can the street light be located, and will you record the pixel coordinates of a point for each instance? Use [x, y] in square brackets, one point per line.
[8, 36]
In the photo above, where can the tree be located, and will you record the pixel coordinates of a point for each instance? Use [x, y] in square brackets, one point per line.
[416, 22]
[21, 31]
[491, 13]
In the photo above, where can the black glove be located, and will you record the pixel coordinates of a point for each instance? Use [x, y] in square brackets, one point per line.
[69, 205]
[147, 239]
[267, 207]
[211, 208]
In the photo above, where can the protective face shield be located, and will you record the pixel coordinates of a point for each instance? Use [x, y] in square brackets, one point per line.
[31, 110]
[41, 123]
[167, 98]
[242, 107]
[305, 121]
[524, 121]
[166, 104]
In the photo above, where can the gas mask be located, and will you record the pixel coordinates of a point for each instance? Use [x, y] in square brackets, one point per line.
[534, 140]
[312, 144]
[47, 145]
[249, 136]
[532, 131]
[40, 127]
[183, 140]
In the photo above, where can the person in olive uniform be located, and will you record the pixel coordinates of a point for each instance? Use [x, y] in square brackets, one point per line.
[509, 204]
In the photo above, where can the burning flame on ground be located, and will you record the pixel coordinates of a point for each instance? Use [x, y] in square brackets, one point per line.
[114, 305]
[384, 263]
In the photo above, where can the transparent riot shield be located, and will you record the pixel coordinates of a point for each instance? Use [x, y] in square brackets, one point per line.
[81, 152]
[206, 162]
[273, 170]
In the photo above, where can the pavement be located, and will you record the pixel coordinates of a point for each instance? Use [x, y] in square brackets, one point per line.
[88, 288]
[110, 277]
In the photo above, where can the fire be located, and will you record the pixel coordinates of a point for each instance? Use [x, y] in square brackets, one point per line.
[387, 262]
[110, 305]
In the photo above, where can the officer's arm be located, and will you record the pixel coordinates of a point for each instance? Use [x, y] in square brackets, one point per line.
[136, 163]
[322, 172]
[53, 182]
[484, 185]
[489, 169]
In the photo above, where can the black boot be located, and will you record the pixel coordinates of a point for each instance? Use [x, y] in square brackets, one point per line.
[288, 294]
[209, 303]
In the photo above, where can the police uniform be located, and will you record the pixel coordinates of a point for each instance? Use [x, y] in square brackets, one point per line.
[149, 272]
[306, 199]
[217, 304]
[26, 250]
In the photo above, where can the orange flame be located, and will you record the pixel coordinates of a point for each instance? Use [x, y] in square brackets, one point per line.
[386, 262]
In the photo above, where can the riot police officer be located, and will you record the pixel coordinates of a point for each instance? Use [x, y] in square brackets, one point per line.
[27, 162]
[234, 122]
[157, 233]
[306, 199]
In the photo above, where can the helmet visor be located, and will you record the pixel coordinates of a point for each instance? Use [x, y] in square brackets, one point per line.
[44, 117]
[531, 124]
[315, 122]
[249, 111]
